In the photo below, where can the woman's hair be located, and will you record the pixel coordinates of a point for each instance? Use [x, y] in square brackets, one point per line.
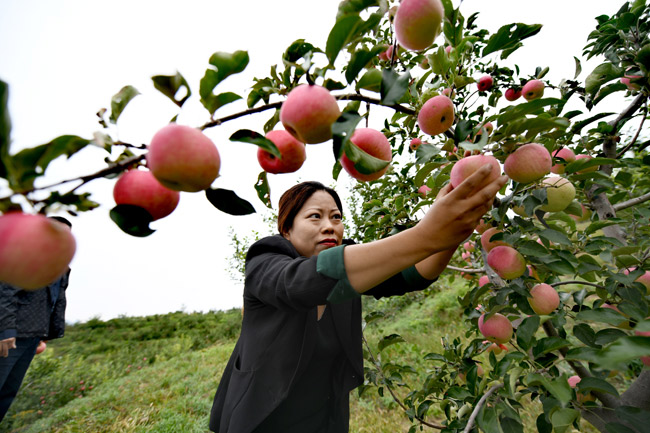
[295, 197]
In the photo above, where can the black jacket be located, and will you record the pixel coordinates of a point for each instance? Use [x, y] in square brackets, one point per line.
[33, 313]
[281, 292]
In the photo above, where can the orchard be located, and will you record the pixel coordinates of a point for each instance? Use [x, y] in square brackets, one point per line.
[557, 313]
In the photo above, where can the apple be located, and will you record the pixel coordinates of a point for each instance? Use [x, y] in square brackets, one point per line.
[182, 158]
[448, 92]
[485, 83]
[309, 112]
[532, 272]
[586, 214]
[448, 49]
[507, 262]
[488, 127]
[559, 194]
[487, 244]
[292, 151]
[418, 23]
[479, 372]
[543, 299]
[140, 188]
[436, 115]
[496, 329]
[513, 94]
[469, 246]
[483, 280]
[415, 143]
[496, 348]
[643, 279]
[41, 347]
[528, 163]
[465, 167]
[373, 143]
[34, 250]
[424, 190]
[567, 155]
[574, 380]
[588, 169]
[388, 54]
[534, 89]
[626, 79]
[481, 227]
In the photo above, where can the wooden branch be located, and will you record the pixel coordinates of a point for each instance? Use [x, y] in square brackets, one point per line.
[586, 283]
[632, 202]
[466, 270]
[479, 406]
[636, 136]
[397, 400]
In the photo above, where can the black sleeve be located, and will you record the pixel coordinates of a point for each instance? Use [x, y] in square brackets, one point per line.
[8, 307]
[57, 319]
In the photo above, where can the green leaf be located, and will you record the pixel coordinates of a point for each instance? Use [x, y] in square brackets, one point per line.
[426, 152]
[526, 331]
[601, 74]
[170, 85]
[533, 107]
[532, 249]
[422, 173]
[5, 129]
[587, 384]
[634, 416]
[458, 393]
[341, 33]
[563, 418]
[389, 340]
[252, 137]
[299, 49]
[602, 315]
[263, 190]
[578, 67]
[359, 60]
[225, 65]
[229, 202]
[510, 425]
[213, 102]
[371, 81]
[556, 236]
[577, 127]
[342, 130]
[509, 40]
[488, 420]
[618, 354]
[393, 86]
[598, 225]
[364, 163]
[559, 389]
[584, 333]
[120, 100]
[549, 344]
[132, 220]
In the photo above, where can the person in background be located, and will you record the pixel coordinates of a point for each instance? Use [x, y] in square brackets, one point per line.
[299, 353]
[26, 319]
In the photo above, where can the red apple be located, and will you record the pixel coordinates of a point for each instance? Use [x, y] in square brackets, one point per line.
[534, 89]
[496, 348]
[487, 244]
[373, 143]
[469, 246]
[140, 188]
[483, 280]
[543, 299]
[485, 83]
[507, 262]
[34, 250]
[512, 94]
[436, 115]
[292, 151]
[488, 127]
[424, 190]
[465, 167]
[496, 329]
[574, 381]
[626, 79]
[643, 279]
[415, 143]
[528, 163]
[588, 169]
[418, 22]
[309, 112]
[567, 155]
[559, 193]
[182, 158]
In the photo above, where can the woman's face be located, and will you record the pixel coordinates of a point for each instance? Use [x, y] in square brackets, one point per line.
[317, 225]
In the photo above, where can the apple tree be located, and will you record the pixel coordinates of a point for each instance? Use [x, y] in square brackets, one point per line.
[560, 316]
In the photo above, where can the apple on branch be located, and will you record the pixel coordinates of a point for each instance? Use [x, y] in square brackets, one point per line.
[507, 262]
[513, 94]
[534, 89]
[544, 299]
[140, 188]
[436, 115]
[418, 23]
[528, 163]
[497, 328]
[309, 112]
[374, 143]
[559, 193]
[292, 153]
[485, 83]
[565, 154]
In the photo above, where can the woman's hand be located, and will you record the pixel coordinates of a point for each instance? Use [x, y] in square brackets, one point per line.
[5, 345]
[456, 212]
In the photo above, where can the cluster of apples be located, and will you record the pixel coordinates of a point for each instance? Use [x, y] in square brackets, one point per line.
[533, 89]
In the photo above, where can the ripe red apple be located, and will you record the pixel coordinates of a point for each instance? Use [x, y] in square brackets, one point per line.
[528, 163]
[448, 49]
[488, 127]
[507, 262]
[436, 115]
[497, 328]
[415, 143]
[543, 299]
[182, 158]
[643, 279]
[388, 54]
[465, 167]
[574, 381]
[496, 348]
[41, 347]
[292, 151]
[418, 22]
[588, 169]
[373, 143]
[485, 83]
[424, 190]
[567, 155]
[559, 193]
[140, 188]
[469, 246]
[448, 92]
[487, 244]
[512, 94]
[631, 86]
[483, 280]
[34, 250]
[309, 112]
[534, 89]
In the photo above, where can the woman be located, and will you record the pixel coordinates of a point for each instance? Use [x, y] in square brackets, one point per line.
[299, 353]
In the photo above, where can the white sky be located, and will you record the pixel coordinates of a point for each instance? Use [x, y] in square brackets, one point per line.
[64, 59]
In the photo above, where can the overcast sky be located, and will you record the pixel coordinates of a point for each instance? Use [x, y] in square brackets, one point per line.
[64, 59]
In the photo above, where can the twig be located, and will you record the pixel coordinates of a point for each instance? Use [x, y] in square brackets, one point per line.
[479, 406]
[576, 282]
[632, 202]
[397, 400]
[467, 271]
[626, 148]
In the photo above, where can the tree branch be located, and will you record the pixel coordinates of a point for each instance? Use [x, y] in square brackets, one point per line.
[636, 136]
[632, 202]
[561, 283]
[466, 270]
[477, 409]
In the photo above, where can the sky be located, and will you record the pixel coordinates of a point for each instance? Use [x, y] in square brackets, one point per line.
[64, 59]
